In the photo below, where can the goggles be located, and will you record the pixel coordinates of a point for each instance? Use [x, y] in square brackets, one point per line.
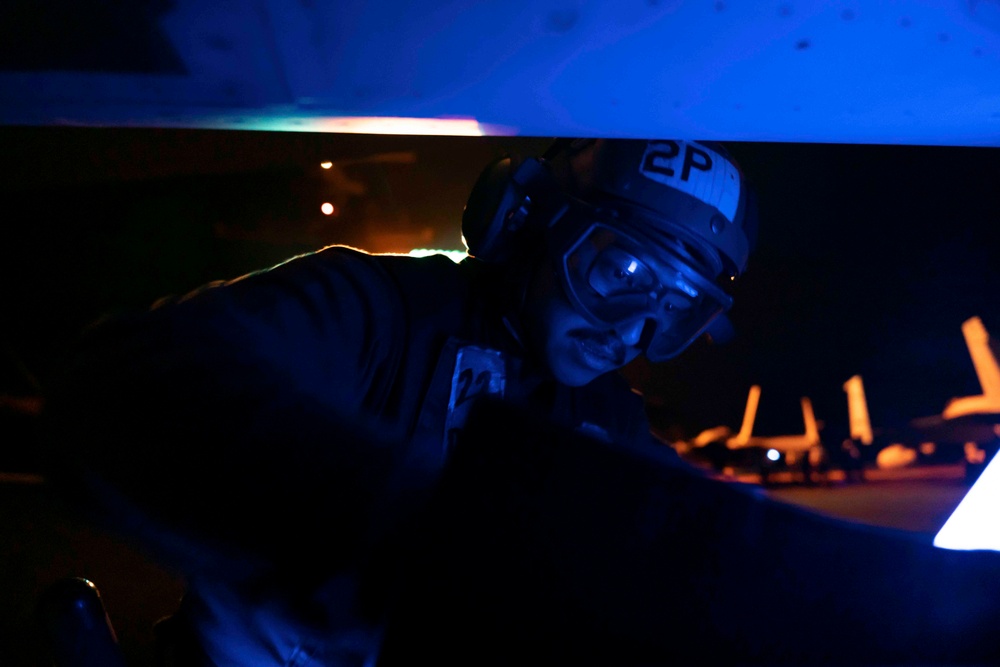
[614, 275]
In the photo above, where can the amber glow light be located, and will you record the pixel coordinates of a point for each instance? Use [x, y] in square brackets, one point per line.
[327, 208]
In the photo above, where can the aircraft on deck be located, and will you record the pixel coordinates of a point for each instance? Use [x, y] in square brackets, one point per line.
[764, 454]
[968, 427]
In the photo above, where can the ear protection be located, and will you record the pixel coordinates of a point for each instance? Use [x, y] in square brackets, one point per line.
[499, 206]
[498, 213]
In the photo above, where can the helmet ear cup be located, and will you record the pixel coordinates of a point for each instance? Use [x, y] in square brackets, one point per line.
[499, 205]
[490, 198]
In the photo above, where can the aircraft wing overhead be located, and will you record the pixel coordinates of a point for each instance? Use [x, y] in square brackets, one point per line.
[906, 72]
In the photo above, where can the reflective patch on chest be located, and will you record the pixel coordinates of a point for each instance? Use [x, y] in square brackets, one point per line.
[478, 372]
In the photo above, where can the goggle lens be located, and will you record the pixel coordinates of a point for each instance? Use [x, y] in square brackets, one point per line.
[616, 272]
[615, 277]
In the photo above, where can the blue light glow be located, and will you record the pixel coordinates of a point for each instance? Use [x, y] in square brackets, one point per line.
[773, 454]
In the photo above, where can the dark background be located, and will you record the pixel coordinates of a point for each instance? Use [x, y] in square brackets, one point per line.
[869, 259]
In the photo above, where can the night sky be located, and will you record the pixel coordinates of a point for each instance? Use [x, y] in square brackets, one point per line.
[869, 257]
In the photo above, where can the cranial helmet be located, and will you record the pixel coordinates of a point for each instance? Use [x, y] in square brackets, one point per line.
[656, 230]
[690, 190]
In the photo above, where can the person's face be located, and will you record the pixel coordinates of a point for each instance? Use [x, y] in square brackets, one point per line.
[574, 350]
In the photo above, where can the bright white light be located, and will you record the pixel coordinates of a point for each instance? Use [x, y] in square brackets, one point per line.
[326, 165]
[449, 126]
[463, 127]
[327, 208]
[773, 454]
[973, 524]
[454, 255]
[632, 267]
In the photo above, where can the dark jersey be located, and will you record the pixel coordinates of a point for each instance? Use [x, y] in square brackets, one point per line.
[294, 420]
[276, 437]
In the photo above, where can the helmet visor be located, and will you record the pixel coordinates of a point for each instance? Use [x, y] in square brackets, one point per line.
[614, 275]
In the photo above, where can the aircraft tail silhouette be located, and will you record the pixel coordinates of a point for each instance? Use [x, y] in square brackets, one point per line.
[812, 430]
[977, 339]
[859, 421]
[743, 437]
[749, 415]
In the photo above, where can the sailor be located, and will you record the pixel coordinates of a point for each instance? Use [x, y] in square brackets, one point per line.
[273, 437]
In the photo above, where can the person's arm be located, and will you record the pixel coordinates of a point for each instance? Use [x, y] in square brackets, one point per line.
[547, 546]
[232, 424]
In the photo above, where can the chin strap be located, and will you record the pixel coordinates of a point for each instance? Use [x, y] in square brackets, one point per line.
[515, 281]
